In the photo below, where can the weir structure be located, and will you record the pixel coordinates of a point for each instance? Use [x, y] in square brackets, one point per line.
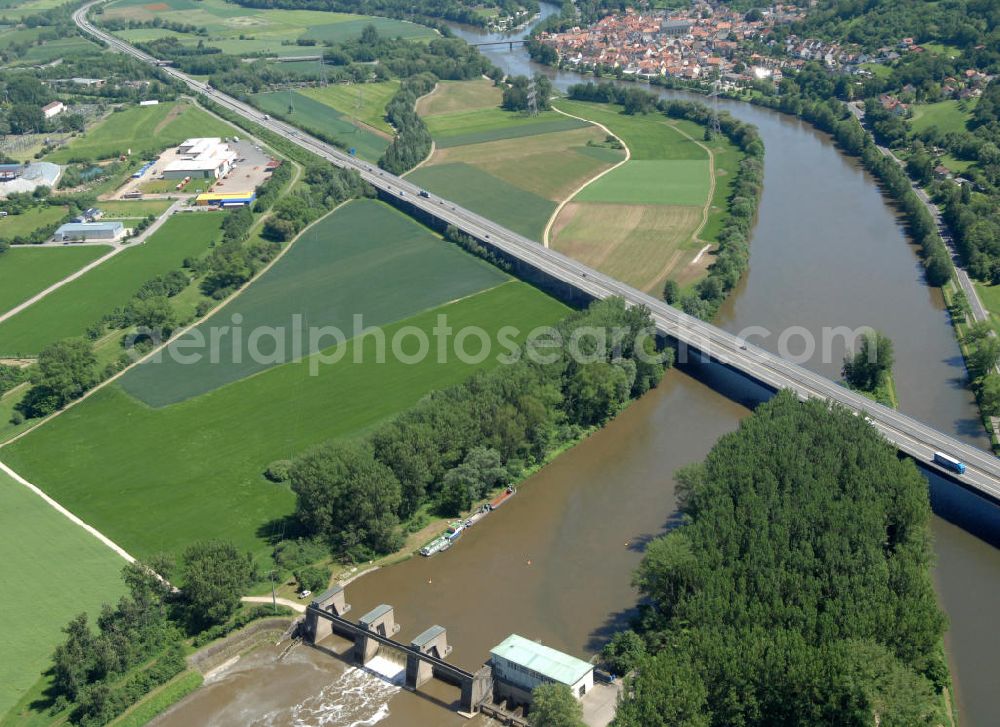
[425, 654]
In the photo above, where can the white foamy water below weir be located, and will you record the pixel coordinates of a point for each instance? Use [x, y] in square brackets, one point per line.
[359, 697]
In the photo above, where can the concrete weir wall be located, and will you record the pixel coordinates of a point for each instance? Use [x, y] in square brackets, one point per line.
[424, 655]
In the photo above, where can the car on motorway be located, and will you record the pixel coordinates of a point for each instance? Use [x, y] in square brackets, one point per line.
[424, 193]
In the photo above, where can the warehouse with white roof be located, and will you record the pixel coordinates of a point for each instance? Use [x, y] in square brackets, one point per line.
[201, 158]
[519, 665]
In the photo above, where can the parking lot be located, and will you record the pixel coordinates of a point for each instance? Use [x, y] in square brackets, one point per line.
[248, 173]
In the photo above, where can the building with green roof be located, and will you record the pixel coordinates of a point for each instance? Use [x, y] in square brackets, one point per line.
[519, 665]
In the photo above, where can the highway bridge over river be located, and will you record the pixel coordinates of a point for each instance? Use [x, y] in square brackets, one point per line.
[532, 260]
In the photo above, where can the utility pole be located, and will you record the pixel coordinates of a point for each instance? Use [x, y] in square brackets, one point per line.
[532, 98]
[716, 89]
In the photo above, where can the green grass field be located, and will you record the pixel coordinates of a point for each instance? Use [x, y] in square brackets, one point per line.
[27, 270]
[552, 166]
[510, 167]
[945, 116]
[68, 311]
[352, 27]
[120, 209]
[363, 101]
[263, 30]
[61, 48]
[488, 195]
[18, 9]
[482, 125]
[51, 570]
[460, 96]
[157, 479]
[648, 136]
[647, 181]
[638, 222]
[146, 130]
[942, 49]
[319, 118]
[27, 222]
[21, 35]
[326, 277]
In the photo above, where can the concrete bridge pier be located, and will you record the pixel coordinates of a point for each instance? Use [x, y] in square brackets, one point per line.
[476, 690]
[333, 601]
[434, 642]
[380, 620]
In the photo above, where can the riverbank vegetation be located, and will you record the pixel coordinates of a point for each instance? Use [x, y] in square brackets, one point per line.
[869, 370]
[797, 591]
[461, 442]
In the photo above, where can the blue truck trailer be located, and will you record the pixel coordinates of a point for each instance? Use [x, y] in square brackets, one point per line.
[949, 462]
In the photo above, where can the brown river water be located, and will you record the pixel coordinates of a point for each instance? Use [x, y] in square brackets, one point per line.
[555, 563]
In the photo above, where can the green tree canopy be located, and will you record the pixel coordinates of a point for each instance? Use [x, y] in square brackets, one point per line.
[872, 362]
[216, 575]
[65, 370]
[553, 705]
[798, 591]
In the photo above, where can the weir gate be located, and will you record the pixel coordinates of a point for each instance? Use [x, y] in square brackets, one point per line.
[424, 655]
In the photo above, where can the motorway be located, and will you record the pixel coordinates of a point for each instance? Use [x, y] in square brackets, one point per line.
[912, 437]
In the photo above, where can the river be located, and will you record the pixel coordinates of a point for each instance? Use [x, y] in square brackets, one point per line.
[555, 563]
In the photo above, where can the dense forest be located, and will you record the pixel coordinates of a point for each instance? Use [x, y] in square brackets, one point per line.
[470, 12]
[797, 591]
[733, 254]
[459, 443]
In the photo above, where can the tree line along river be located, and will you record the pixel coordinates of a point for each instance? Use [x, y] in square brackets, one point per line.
[555, 564]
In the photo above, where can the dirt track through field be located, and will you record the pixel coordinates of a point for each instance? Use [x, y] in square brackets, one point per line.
[555, 214]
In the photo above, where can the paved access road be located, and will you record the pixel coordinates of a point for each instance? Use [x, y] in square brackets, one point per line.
[910, 436]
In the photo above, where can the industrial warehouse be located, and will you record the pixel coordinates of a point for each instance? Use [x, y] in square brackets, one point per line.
[89, 232]
[212, 171]
[201, 158]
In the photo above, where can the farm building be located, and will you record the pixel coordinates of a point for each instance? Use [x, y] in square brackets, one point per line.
[88, 231]
[235, 199]
[53, 109]
[519, 665]
[201, 158]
